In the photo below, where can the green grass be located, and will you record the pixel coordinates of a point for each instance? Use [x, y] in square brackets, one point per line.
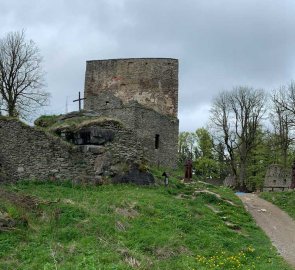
[284, 200]
[131, 227]
[46, 121]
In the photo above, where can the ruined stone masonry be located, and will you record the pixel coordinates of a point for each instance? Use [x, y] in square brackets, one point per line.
[129, 121]
[143, 94]
[27, 153]
[277, 178]
[152, 82]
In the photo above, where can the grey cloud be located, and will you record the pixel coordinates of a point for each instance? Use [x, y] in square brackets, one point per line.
[220, 43]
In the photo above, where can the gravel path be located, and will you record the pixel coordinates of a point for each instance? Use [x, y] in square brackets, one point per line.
[279, 227]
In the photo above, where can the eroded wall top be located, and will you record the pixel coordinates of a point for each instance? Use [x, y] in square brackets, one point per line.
[153, 82]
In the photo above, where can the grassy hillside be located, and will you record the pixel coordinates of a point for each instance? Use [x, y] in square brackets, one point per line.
[129, 227]
[284, 200]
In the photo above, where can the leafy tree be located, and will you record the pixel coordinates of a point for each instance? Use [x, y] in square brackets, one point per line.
[259, 159]
[207, 167]
[186, 146]
[21, 75]
[205, 143]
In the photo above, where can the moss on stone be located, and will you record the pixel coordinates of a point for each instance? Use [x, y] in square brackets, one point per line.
[46, 121]
[77, 123]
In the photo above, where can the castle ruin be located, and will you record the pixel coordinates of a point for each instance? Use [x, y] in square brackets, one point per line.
[143, 94]
[130, 117]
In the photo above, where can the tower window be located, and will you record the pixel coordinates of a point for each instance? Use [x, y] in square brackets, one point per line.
[157, 141]
[107, 102]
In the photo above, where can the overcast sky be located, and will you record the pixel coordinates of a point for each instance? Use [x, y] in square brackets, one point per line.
[219, 43]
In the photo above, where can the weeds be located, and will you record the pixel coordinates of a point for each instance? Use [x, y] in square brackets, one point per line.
[129, 227]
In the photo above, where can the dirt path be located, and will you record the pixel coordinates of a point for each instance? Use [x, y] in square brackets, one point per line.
[279, 227]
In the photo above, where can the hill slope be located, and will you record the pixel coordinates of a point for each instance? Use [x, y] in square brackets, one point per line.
[129, 227]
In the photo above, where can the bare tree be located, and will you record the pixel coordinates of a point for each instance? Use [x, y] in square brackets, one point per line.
[285, 98]
[237, 114]
[282, 118]
[21, 76]
[220, 118]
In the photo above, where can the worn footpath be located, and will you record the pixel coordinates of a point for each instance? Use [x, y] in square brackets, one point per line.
[279, 227]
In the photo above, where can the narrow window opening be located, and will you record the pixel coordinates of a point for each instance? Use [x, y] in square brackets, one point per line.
[157, 141]
[107, 102]
[285, 181]
[274, 181]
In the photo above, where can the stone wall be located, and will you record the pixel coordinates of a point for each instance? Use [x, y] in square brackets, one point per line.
[29, 153]
[277, 178]
[152, 82]
[143, 94]
[149, 124]
[146, 125]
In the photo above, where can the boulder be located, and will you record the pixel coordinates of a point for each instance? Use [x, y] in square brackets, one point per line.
[135, 176]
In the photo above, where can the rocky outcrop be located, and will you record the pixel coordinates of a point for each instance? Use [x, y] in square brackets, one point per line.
[134, 175]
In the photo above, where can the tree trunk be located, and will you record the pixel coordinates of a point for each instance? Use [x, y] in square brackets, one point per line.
[243, 175]
[243, 166]
[11, 109]
[285, 157]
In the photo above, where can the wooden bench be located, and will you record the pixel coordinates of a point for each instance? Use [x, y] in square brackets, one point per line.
[276, 187]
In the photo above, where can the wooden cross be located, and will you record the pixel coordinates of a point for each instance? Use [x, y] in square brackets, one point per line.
[79, 99]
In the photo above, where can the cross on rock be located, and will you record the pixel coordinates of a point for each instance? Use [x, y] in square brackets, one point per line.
[79, 99]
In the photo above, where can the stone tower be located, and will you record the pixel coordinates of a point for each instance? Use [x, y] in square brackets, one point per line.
[143, 94]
